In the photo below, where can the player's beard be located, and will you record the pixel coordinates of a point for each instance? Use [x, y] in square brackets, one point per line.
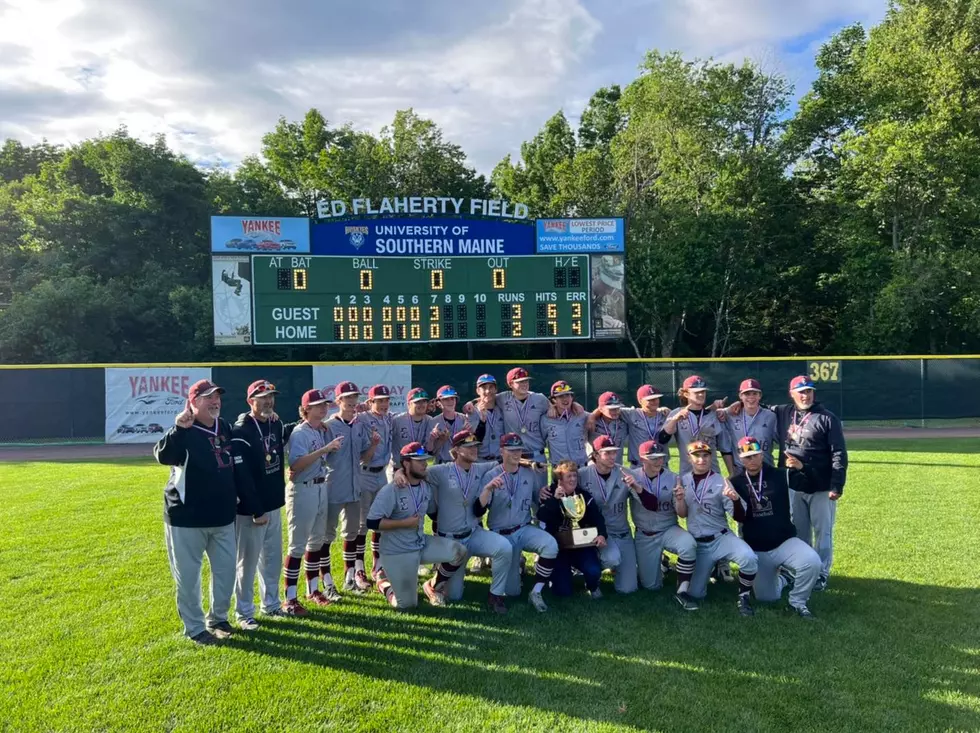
[213, 412]
[266, 412]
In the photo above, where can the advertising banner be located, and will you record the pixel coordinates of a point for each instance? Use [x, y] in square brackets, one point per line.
[260, 234]
[231, 294]
[580, 236]
[608, 297]
[431, 237]
[397, 377]
[141, 404]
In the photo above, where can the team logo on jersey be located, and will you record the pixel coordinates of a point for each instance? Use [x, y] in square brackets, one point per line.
[356, 235]
[403, 503]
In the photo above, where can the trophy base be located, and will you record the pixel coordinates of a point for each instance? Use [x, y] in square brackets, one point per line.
[576, 539]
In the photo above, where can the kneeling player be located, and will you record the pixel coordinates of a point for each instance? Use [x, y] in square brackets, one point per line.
[768, 529]
[654, 489]
[399, 514]
[707, 499]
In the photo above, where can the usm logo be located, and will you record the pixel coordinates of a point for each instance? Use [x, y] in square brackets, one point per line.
[356, 235]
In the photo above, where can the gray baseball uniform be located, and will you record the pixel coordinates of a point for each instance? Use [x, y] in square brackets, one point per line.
[707, 520]
[657, 528]
[306, 499]
[374, 475]
[761, 426]
[490, 447]
[642, 428]
[618, 431]
[524, 418]
[610, 494]
[704, 426]
[565, 437]
[459, 422]
[405, 429]
[344, 481]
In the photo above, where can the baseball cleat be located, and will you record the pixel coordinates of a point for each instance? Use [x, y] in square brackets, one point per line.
[435, 597]
[331, 593]
[496, 604]
[276, 613]
[375, 572]
[595, 595]
[788, 579]
[205, 638]
[821, 583]
[222, 630]
[743, 605]
[248, 624]
[803, 612]
[361, 581]
[537, 601]
[724, 572]
[476, 567]
[292, 607]
[351, 586]
[318, 598]
[424, 572]
[664, 565]
[686, 602]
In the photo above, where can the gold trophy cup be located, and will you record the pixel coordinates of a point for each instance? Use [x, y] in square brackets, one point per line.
[575, 537]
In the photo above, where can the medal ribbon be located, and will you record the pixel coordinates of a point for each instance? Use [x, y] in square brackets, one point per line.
[746, 425]
[695, 424]
[464, 487]
[417, 498]
[758, 493]
[417, 431]
[703, 483]
[610, 428]
[657, 425]
[655, 490]
[798, 426]
[522, 413]
[509, 485]
[603, 486]
[264, 437]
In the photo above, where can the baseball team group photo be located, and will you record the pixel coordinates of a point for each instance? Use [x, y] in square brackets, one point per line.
[542, 365]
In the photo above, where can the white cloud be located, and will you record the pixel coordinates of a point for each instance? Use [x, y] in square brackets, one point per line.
[215, 76]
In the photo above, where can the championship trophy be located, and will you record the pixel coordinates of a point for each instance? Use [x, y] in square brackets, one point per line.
[575, 537]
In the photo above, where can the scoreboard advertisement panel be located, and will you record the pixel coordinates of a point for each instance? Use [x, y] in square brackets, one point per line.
[333, 299]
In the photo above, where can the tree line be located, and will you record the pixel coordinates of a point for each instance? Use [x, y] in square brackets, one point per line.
[849, 226]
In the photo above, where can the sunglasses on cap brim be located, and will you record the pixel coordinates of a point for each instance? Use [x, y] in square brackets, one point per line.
[651, 456]
[701, 453]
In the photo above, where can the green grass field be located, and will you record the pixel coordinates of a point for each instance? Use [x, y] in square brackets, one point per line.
[90, 640]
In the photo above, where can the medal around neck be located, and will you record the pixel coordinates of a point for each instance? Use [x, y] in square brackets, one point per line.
[576, 537]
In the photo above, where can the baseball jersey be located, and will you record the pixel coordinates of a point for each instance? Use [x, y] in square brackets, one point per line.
[382, 424]
[700, 425]
[510, 506]
[490, 447]
[706, 507]
[642, 428]
[454, 492]
[617, 430]
[344, 481]
[395, 503]
[459, 422]
[524, 418]
[655, 510]
[761, 426]
[610, 494]
[405, 429]
[565, 438]
[302, 441]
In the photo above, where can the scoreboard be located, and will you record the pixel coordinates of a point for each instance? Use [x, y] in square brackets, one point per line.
[316, 299]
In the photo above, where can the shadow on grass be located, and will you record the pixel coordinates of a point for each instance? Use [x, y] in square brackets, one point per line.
[884, 654]
[920, 444]
[906, 464]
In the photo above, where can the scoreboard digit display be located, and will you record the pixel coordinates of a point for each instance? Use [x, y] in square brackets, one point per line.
[320, 299]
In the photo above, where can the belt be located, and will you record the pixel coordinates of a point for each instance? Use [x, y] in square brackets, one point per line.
[460, 536]
[510, 530]
[650, 534]
[711, 537]
[619, 535]
[320, 480]
[373, 469]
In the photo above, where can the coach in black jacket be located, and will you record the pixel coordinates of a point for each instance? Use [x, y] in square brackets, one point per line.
[258, 528]
[553, 519]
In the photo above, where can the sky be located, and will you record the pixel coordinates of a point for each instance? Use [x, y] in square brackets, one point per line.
[214, 76]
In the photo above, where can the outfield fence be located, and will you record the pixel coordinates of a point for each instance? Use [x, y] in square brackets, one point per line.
[67, 403]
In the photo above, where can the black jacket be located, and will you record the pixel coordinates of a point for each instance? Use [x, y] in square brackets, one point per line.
[820, 445]
[766, 524]
[256, 440]
[553, 519]
[214, 475]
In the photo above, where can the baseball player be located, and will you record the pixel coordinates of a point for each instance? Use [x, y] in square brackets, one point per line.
[705, 502]
[399, 514]
[413, 426]
[199, 510]
[344, 485]
[653, 488]
[552, 518]
[694, 421]
[645, 422]
[258, 529]
[507, 495]
[764, 510]
[456, 487]
[563, 431]
[522, 411]
[306, 502]
[448, 421]
[605, 480]
[607, 419]
[752, 420]
[373, 476]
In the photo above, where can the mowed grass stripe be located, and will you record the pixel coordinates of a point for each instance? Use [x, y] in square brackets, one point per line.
[90, 637]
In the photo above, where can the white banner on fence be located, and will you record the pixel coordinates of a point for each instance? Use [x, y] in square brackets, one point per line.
[141, 404]
[397, 377]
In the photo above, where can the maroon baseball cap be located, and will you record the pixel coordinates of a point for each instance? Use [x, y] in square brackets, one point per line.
[345, 389]
[748, 446]
[446, 390]
[749, 385]
[260, 387]
[379, 392]
[652, 449]
[610, 399]
[696, 383]
[604, 442]
[203, 388]
[517, 374]
[561, 387]
[648, 392]
[465, 437]
[800, 383]
[416, 451]
[314, 397]
[417, 394]
[511, 441]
